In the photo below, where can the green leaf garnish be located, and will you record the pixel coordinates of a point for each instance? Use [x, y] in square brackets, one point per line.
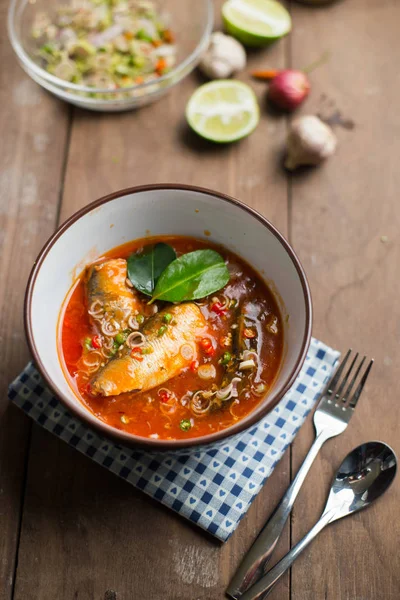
[192, 276]
[144, 269]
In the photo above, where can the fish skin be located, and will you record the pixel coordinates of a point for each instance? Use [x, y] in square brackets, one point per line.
[105, 281]
[127, 374]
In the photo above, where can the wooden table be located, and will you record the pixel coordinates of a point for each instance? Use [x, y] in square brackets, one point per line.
[70, 530]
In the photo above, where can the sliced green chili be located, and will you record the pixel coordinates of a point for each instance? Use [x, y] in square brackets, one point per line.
[185, 425]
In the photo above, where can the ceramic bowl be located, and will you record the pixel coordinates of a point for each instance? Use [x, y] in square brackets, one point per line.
[164, 210]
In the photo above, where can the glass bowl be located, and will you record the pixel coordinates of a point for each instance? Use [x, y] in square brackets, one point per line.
[191, 23]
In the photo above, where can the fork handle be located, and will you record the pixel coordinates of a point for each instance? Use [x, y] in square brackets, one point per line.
[253, 565]
[263, 587]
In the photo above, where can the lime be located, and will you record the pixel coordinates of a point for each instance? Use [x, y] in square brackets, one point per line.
[256, 22]
[223, 111]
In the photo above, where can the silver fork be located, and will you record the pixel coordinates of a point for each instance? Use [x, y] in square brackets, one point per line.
[331, 418]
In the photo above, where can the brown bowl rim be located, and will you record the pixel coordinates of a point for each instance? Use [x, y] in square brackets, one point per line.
[164, 445]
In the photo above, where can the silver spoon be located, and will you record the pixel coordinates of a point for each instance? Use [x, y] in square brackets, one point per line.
[364, 475]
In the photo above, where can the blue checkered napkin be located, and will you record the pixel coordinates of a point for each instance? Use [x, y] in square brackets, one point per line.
[213, 488]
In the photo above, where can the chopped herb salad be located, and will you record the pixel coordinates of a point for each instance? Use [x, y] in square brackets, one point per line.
[107, 44]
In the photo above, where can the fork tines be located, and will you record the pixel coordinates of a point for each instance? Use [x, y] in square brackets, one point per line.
[340, 388]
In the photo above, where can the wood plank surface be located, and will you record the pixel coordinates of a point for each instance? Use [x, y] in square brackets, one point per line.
[339, 215]
[95, 533]
[33, 142]
[85, 534]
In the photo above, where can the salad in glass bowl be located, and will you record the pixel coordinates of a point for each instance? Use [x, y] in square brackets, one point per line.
[104, 44]
[109, 54]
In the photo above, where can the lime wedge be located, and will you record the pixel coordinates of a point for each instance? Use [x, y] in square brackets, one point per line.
[223, 111]
[256, 22]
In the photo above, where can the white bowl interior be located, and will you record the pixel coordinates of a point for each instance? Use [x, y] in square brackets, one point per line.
[162, 212]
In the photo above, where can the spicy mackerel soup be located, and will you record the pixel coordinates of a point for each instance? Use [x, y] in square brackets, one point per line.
[170, 338]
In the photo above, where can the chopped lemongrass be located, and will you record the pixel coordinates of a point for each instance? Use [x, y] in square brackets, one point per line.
[247, 364]
[135, 339]
[249, 333]
[207, 372]
[186, 351]
[273, 325]
[260, 389]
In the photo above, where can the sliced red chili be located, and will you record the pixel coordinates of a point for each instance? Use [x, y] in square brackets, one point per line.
[207, 346]
[137, 353]
[164, 396]
[206, 343]
[97, 341]
[218, 308]
[194, 366]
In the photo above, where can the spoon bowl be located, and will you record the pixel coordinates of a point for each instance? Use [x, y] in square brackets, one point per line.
[364, 475]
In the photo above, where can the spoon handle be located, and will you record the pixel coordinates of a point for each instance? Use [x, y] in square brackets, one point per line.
[263, 587]
[253, 565]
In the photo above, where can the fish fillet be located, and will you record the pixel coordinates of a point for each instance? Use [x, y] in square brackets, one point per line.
[106, 283]
[125, 373]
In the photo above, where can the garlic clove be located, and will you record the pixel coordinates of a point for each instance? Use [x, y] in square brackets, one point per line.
[224, 57]
[217, 68]
[310, 142]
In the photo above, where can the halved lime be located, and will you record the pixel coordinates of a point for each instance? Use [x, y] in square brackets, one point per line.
[223, 111]
[256, 22]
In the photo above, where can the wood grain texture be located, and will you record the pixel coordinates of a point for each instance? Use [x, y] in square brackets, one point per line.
[85, 534]
[96, 533]
[33, 138]
[339, 214]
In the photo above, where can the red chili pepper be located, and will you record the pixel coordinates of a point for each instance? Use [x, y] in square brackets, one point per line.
[88, 389]
[194, 366]
[164, 396]
[266, 75]
[136, 353]
[218, 308]
[205, 343]
[97, 341]
[207, 346]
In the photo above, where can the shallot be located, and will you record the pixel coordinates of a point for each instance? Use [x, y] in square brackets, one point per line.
[289, 89]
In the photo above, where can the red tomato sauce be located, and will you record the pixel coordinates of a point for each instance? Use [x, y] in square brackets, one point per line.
[159, 412]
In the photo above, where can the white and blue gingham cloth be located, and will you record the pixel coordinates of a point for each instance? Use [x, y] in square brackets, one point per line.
[214, 487]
